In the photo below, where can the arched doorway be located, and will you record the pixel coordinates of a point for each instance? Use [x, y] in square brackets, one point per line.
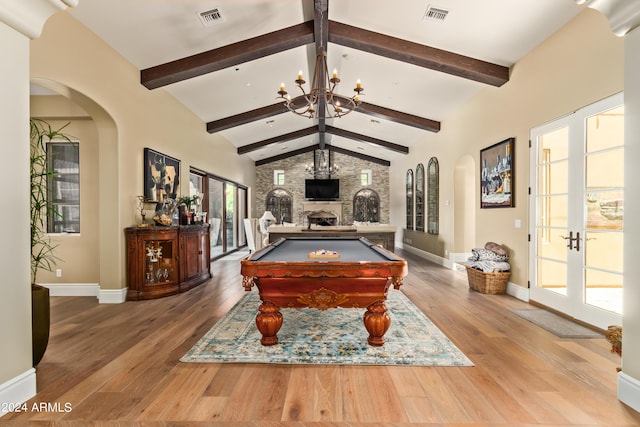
[110, 236]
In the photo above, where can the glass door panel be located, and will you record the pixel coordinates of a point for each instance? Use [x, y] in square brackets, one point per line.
[215, 216]
[242, 213]
[552, 211]
[604, 207]
[577, 213]
[231, 221]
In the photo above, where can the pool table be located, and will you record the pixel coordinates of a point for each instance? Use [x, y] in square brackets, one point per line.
[287, 278]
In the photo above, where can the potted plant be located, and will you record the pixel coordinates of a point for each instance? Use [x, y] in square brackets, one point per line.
[187, 201]
[42, 249]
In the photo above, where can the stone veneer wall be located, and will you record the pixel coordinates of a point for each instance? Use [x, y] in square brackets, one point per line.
[349, 175]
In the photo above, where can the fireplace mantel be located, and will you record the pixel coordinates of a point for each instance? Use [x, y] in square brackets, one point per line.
[328, 206]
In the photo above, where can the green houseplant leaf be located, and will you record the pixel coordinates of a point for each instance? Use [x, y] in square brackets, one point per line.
[42, 249]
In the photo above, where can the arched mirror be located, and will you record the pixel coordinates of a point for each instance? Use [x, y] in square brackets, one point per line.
[420, 197]
[409, 191]
[280, 203]
[433, 188]
[366, 206]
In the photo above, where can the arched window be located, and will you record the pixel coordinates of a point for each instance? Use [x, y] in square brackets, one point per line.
[366, 206]
[280, 203]
[420, 197]
[433, 188]
[409, 191]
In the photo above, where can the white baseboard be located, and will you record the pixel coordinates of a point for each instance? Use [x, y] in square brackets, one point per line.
[459, 256]
[105, 296]
[629, 391]
[72, 289]
[112, 296]
[518, 292]
[17, 390]
[429, 256]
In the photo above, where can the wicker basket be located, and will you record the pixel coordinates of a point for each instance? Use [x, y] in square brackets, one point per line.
[488, 283]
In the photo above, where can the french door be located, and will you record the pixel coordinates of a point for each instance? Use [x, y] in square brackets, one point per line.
[577, 210]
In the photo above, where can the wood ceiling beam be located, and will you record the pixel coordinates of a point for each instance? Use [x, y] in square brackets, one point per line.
[418, 54]
[247, 117]
[328, 147]
[321, 35]
[398, 117]
[227, 56]
[287, 155]
[360, 156]
[359, 137]
[281, 138]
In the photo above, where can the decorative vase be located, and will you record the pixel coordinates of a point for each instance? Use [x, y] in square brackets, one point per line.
[164, 212]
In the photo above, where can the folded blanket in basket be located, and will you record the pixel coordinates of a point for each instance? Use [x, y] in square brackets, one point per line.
[489, 266]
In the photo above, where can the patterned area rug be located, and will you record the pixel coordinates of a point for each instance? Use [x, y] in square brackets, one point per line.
[335, 336]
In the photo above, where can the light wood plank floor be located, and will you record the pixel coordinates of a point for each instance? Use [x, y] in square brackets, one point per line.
[118, 365]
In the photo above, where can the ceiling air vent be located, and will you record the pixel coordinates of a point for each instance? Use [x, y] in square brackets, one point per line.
[435, 14]
[210, 17]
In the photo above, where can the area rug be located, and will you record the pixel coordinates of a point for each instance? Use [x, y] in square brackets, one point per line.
[335, 336]
[557, 325]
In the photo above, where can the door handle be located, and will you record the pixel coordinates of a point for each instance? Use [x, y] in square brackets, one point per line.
[570, 240]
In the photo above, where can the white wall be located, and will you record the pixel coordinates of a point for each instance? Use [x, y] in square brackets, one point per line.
[629, 380]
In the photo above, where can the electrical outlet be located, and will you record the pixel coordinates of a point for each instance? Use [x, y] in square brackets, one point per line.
[59, 272]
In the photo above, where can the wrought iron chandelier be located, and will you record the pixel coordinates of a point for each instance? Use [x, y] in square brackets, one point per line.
[322, 95]
[322, 168]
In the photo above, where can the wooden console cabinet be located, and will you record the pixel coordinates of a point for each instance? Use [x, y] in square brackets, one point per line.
[163, 261]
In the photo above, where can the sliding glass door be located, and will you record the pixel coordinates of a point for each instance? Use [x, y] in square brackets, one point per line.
[227, 203]
[216, 214]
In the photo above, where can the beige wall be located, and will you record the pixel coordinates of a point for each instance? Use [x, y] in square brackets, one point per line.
[77, 253]
[140, 117]
[629, 381]
[580, 64]
[15, 291]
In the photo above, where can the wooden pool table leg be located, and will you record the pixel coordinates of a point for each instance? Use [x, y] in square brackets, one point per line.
[269, 321]
[377, 322]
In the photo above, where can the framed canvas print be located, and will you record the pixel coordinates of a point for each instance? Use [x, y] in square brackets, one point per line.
[496, 175]
[161, 176]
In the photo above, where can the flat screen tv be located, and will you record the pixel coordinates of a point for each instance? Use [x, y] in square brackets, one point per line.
[322, 189]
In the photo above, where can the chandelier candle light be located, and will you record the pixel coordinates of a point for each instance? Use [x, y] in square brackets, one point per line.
[323, 167]
[321, 93]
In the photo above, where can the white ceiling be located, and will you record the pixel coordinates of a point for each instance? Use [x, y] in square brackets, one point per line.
[150, 33]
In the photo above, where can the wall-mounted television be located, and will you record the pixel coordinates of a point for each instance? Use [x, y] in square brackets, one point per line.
[322, 189]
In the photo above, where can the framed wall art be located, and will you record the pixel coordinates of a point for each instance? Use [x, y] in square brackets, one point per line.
[161, 176]
[496, 175]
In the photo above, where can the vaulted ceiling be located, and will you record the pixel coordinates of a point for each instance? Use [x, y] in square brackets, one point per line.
[417, 61]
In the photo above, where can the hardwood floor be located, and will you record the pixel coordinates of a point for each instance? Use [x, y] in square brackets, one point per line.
[118, 365]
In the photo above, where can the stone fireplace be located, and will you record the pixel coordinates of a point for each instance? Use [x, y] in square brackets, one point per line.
[322, 218]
